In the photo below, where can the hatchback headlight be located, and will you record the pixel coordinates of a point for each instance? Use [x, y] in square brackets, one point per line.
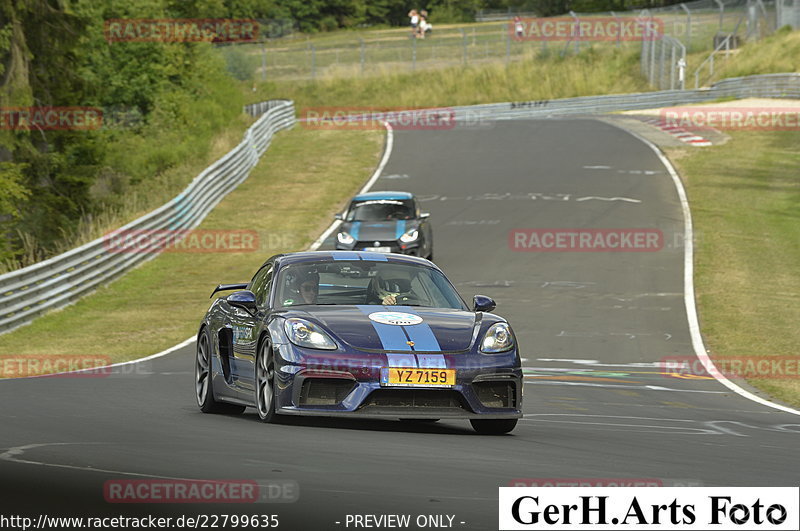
[305, 334]
[345, 238]
[410, 236]
[498, 338]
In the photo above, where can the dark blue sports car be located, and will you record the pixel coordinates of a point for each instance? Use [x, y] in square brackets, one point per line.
[385, 222]
[358, 334]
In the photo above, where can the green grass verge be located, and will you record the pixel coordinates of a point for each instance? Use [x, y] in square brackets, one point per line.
[744, 197]
[776, 54]
[600, 70]
[289, 198]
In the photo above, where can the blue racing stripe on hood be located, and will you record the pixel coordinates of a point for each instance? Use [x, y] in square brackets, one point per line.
[400, 229]
[423, 337]
[421, 334]
[398, 336]
[392, 337]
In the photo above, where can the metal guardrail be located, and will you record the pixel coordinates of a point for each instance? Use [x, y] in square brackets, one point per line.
[761, 86]
[54, 283]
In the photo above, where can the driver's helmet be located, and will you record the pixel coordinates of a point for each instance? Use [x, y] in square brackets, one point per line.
[303, 285]
[391, 282]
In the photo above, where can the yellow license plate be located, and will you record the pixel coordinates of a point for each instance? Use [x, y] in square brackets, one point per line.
[410, 377]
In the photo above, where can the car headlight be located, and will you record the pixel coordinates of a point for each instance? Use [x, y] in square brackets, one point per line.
[410, 236]
[498, 338]
[305, 334]
[345, 238]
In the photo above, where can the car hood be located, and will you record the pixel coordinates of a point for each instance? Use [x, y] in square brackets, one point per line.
[378, 230]
[440, 330]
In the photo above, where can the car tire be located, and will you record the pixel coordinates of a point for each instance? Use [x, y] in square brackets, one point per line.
[204, 390]
[265, 383]
[493, 426]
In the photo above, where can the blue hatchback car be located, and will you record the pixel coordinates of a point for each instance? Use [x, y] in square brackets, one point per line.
[385, 222]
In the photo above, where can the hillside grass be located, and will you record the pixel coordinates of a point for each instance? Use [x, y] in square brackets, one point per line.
[599, 70]
[775, 54]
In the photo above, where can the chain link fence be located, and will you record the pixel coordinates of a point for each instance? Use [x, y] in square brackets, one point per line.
[715, 25]
[788, 13]
[687, 28]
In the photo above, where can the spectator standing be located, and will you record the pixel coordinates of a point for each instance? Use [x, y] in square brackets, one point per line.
[414, 22]
[423, 23]
[519, 27]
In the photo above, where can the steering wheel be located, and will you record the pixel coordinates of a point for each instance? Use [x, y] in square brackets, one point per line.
[405, 298]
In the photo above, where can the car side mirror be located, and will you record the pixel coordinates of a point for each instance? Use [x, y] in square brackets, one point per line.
[424, 215]
[483, 303]
[338, 216]
[244, 299]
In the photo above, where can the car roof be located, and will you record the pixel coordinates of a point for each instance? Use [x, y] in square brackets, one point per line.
[330, 256]
[383, 195]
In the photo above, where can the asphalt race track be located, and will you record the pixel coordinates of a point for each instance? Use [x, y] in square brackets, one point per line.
[593, 327]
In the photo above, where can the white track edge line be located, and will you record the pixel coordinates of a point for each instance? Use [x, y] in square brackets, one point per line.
[688, 288]
[387, 153]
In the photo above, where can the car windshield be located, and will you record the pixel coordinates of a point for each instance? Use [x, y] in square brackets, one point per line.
[380, 210]
[352, 282]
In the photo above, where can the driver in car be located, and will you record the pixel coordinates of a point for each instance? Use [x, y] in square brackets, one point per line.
[389, 290]
[308, 287]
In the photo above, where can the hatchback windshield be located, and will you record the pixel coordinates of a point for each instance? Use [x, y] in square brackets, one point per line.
[380, 210]
[365, 282]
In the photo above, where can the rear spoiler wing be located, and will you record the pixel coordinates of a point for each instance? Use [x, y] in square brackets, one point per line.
[227, 287]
